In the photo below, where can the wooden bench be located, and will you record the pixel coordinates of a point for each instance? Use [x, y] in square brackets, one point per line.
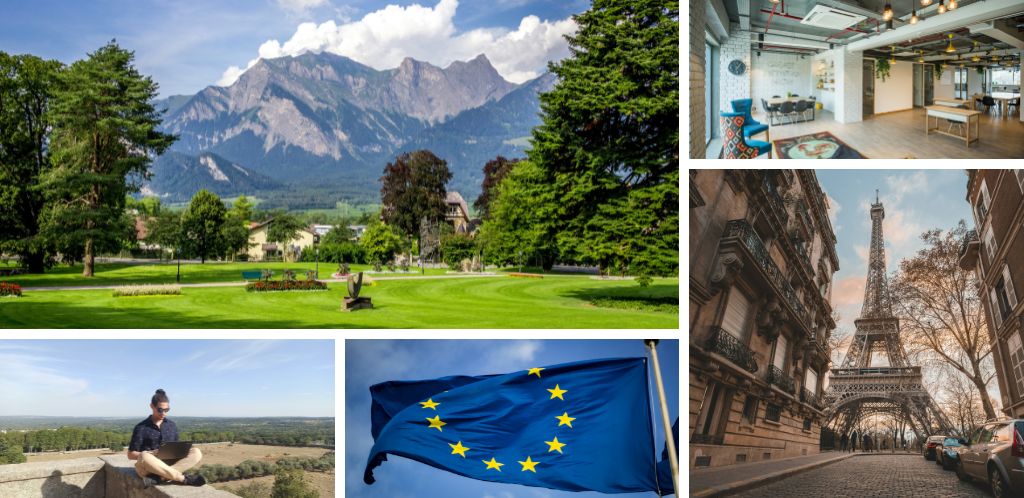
[252, 275]
[955, 115]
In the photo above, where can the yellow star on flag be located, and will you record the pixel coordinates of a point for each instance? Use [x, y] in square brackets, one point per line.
[554, 445]
[533, 371]
[529, 465]
[557, 392]
[565, 419]
[430, 404]
[436, 423]
[459, 449]
[493, 464]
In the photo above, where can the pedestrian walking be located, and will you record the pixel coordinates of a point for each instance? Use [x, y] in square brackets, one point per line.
[853, 442]
[842, 442]
[867, 443]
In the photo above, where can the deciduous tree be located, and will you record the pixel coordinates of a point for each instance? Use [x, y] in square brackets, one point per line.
[494, 171]
[380, 243]
[201, 225]
[104, 134]
[940, 311]
[283, 229]
[413, 190]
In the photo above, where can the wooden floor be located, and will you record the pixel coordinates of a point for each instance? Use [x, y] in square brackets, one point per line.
[901, 135]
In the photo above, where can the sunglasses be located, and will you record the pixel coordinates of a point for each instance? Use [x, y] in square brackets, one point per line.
[162, 410]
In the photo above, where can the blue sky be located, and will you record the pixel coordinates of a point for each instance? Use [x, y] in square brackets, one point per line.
[914, 201]
[187, 45]
[370, 362]
[115, 378]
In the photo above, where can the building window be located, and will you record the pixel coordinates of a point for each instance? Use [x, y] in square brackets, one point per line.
[981, 207]
[990, 244]
[737, 313]
[1004, 298]
[713, 412]
[1013, 344]
[807, 424]
[773, 413]
[750, 409]
[779, 358]
[811, 381]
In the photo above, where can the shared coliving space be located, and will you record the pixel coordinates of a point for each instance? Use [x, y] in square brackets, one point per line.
[828, 79]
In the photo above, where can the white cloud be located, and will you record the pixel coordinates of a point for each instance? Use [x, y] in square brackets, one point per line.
[33, 383]
[381, 39]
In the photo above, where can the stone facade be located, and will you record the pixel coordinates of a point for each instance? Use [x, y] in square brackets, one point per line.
[104, 477]
[762, 256]
[995, 250]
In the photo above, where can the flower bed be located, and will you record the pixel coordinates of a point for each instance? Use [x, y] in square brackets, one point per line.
[9, 290]
[525, 275]
[286, 285]
[147, 290]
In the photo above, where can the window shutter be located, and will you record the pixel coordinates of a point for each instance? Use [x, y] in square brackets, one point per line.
[1011, 295]
[780, 353]
[985, 197]
[811, 382]
[997, 317]
[990, 243]
[736, 313]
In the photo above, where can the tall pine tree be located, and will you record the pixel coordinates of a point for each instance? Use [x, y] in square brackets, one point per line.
[104, 136]
[609, 141]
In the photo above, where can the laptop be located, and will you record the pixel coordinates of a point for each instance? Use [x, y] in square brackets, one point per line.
[175, 450]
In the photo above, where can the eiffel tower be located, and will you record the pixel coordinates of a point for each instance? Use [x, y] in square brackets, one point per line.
[857, 390]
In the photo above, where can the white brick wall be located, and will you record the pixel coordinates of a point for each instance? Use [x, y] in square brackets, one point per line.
[849, 85]
[697, 64]
[733, 87]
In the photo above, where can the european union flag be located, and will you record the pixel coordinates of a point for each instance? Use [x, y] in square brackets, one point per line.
[583, 426]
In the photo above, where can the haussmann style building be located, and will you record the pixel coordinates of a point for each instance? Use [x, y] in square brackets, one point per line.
[995, 251]
[762, 256]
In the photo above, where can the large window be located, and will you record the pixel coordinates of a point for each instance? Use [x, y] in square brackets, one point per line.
[811, 381]
[1006, 77]
[709, 116]
[779, 360]
[960, 83]
[1016, 351]
[737, 311]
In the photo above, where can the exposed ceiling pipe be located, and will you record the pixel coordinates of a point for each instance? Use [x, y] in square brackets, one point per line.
[770, 16]
[795, 18]
[962, 16]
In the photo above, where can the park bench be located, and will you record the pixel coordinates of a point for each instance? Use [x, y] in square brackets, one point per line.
[6, 272]
[252, 275]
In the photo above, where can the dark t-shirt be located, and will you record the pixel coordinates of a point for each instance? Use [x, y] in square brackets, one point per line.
[148, 437]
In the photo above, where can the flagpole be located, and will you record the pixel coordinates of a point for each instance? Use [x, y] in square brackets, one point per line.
[670, 442]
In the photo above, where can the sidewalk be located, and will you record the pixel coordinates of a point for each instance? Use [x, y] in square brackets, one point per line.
[723, 481]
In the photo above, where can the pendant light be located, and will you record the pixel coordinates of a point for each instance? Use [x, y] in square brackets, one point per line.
[920, 56]
[887, 12]
[942, 7]
[775, 1]
[925, 3]
[952, 4]
[950, 49]
[892, 54]
[913, 13]
[975, 58]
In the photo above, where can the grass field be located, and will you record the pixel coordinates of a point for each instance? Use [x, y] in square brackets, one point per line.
[191, 273]
[481, 302]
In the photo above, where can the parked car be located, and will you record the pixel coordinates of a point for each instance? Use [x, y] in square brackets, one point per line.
[929, 446]
[946, 452]
[995, 453]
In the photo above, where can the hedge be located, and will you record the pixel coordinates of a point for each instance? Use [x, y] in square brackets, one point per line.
[286, 285]
[348, 252]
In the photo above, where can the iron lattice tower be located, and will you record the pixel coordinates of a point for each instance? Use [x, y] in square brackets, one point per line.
[857, 390]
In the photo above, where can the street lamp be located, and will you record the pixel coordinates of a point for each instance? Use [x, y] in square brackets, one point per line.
[316, 244]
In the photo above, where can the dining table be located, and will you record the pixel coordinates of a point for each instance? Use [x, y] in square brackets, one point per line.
[780, 100]
[1004, 98]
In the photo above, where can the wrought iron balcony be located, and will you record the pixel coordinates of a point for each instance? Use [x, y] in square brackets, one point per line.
[808, 397]
[969, 250]
[801, 249]
[785, 382]
[745, 233]
[725, 344]
[774, 198]
[707, 439]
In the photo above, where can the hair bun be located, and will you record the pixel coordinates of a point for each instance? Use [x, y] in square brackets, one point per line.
[160, 391]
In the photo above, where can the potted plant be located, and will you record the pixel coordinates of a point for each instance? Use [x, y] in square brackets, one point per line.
[882, 69]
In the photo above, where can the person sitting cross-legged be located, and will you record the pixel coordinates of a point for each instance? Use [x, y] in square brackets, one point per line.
[146, 440]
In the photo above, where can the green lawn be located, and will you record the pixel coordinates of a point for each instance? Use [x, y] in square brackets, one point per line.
[191, 273]
[491, 302]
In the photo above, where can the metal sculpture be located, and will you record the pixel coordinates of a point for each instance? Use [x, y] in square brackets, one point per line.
[857, 390]
[353, 301]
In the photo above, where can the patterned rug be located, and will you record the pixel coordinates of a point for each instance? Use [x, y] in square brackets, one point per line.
[822, 145]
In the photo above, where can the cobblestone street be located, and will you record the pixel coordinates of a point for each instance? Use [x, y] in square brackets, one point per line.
[873, 476]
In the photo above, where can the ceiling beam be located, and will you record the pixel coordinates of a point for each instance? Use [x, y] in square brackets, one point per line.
[717, 19]
[789, 41]
[803, 36]
[743, 7]
[1002, 30]
[952, 20]
[980, 53]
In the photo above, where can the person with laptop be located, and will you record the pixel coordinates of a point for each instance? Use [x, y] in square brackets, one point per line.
[155, 447]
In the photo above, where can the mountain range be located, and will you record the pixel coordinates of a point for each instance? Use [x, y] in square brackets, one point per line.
[322, 120]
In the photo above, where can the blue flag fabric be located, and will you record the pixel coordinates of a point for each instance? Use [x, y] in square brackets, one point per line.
[583, 426]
